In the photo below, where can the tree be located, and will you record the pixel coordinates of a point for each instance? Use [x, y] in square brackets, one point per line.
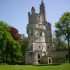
[4, 28]
[9, 47]
[63, 28]
[24, 47]
[59, 44]
[15, 34]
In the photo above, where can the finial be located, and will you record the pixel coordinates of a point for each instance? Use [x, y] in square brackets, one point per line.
[33, 8]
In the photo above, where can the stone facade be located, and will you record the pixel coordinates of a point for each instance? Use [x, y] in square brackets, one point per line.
[40, 38]
[39, 34]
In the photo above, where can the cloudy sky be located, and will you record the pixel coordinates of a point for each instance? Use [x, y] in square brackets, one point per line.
[15, 12]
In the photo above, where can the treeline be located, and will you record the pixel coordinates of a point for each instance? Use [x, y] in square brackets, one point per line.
[12, 44]
[63, 32]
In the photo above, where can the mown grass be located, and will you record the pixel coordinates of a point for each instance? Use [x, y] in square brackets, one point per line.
[65, 66]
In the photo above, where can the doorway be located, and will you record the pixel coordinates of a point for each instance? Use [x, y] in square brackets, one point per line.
[38, 58]
[49, 60]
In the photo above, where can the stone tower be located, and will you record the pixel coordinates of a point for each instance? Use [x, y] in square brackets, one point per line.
[39, 34]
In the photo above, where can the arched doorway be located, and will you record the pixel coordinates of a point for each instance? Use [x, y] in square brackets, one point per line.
[38, 58]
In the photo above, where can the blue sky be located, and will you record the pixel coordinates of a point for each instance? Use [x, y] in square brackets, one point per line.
[15, 12]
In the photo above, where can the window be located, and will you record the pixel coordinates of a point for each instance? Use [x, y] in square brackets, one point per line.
[39, 61]
[40, 33]
[39, 16]
[41, 29]
[39, 46]
[38, 56]
[31, 47]
[48, 47]
[31, 34]
[49, 60]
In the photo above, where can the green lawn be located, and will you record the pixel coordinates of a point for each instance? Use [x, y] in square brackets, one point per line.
[65, 66]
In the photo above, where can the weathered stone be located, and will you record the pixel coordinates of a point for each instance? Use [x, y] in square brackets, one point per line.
[40, 39]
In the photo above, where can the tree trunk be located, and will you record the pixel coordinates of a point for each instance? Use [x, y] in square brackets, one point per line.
[6, 58]
[69, 49]
[68, 37]
[3, 58]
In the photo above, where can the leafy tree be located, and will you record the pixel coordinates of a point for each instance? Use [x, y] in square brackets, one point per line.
[59, 44]
[3, 30]
[15, 34]
[24, 47]
[9, 47]
[63, 28]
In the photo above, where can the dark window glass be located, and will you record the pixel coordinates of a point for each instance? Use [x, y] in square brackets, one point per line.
[39, 16]
[31, 47]
[38, 56]
[31, 34]
[40, 33]
[49, 60]
[39, 46]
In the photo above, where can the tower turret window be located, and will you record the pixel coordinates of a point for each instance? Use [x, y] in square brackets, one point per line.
[40, 33]
[39, 46]
[39, 16]
[41, 29]
[39, 56]
[31, 34]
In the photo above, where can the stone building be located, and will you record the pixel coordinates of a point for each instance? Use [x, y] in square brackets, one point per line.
[40, 37]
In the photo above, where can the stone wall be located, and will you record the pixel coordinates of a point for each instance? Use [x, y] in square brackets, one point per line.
[58, 56]
[55, 57]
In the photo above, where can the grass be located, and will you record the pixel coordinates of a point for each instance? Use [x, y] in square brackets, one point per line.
[65, 66]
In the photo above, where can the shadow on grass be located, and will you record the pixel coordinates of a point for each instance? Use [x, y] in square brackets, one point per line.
[47, 64]
[12, 63]
[22, 63]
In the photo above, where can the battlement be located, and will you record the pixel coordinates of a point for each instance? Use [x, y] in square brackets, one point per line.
[35, 18]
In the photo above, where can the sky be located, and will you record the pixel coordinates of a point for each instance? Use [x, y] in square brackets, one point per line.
[15, 12]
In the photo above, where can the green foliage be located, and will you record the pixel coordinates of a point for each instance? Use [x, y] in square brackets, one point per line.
[59, 44]
[63, 29]
[24, 45]
[63, 26]
[9, 47]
